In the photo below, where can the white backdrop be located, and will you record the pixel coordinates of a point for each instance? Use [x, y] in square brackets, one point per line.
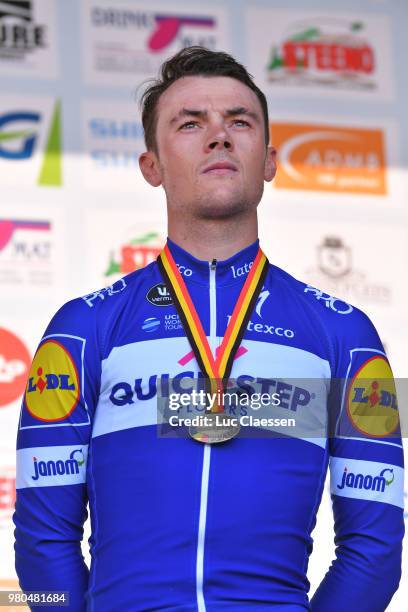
[75, 214]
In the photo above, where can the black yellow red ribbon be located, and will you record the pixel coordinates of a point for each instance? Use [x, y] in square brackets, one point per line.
[216, 370]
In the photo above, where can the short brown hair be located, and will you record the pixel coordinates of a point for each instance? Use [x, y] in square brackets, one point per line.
[194, 61]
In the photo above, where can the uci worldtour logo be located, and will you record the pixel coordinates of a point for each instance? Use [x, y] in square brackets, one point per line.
[171, 323]
[45, 469]
[369, 483]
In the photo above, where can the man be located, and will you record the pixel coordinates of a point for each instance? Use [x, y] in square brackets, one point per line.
[181, 523]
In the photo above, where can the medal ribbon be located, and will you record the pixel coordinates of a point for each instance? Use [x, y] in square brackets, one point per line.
[217, 370]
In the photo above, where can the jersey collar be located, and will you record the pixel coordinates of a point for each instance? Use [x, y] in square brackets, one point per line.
[228, 271]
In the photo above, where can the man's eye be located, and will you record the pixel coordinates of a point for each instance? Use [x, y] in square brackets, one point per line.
[241, 122]
[188, 125]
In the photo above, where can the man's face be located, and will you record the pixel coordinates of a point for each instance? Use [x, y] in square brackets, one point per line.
[211, 155]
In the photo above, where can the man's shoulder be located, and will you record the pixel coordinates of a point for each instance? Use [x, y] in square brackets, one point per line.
[335, 313]
[95, 308]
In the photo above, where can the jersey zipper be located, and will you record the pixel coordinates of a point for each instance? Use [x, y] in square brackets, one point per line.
[207, 453]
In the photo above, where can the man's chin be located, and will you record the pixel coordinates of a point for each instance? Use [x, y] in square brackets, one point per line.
[220, 209]
[218, 205]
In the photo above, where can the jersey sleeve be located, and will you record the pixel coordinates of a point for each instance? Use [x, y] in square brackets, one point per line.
[366, 475]
[52, 451]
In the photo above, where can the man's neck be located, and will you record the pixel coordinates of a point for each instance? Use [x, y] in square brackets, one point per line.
[213, 239]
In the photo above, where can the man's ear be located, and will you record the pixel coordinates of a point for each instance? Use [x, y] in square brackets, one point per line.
[270, 164]
[150, 168]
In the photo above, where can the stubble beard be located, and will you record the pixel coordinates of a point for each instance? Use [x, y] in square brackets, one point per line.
[215, 206]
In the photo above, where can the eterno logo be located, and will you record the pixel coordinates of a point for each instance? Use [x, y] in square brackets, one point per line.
[330, 158]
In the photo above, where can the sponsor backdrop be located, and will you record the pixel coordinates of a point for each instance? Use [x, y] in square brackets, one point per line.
[75, 214]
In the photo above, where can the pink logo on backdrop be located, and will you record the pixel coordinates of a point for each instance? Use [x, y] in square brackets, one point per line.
[168, 26]
[9, 226]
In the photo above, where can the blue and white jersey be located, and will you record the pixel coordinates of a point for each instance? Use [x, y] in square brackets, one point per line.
[180, 525]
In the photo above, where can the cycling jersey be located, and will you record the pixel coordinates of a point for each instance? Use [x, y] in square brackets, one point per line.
[181, 525]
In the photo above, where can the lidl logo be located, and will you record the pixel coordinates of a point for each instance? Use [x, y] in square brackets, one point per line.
[20, 135]
[371, 401]
[53, 385]
[330, 158]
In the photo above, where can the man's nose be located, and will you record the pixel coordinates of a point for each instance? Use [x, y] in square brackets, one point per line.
[220, 143]
[219, 138]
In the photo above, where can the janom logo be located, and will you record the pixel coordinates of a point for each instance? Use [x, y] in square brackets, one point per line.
[367, 482]
[330, 158]
[53, 385]
[60, 467]
[19, 133]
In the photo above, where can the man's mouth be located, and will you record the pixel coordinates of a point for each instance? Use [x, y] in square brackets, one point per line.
[220, 168]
